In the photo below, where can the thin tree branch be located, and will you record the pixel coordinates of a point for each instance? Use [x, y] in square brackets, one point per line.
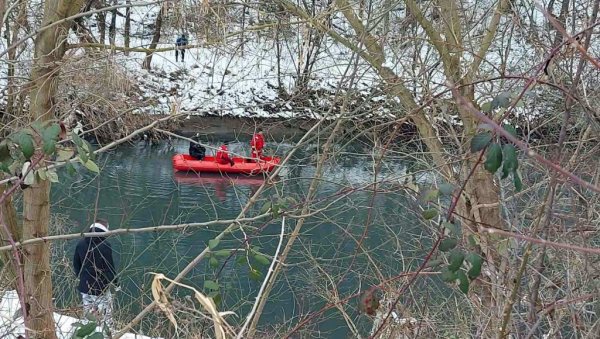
[264, 284]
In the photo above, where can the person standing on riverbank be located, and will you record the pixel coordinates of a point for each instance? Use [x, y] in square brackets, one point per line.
[180, 44]
[94, 266]
[257, 143]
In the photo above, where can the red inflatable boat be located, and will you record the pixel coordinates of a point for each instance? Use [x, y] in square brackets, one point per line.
[184, 163]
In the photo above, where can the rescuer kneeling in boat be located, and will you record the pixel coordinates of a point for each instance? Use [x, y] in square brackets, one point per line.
[196, 150]
[223, 157]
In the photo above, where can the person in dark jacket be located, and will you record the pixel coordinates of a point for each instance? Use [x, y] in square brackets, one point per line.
[180, 44]
[196, 150]
[94, 266]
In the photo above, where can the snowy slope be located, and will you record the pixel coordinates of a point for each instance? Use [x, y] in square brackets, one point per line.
[11, 326]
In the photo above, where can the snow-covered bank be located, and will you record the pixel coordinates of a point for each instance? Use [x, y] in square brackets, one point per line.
[231, 79]
[11, 322]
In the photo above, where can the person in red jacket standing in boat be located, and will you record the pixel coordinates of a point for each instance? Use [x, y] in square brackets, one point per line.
[257, 143]
[223, 157]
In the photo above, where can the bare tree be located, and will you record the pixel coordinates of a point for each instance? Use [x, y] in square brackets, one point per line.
[49, 51]
[155, 38]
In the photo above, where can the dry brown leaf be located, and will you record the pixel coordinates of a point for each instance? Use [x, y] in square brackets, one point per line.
[160, 297]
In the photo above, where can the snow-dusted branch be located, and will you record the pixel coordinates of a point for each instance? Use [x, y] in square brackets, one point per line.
[161, 228]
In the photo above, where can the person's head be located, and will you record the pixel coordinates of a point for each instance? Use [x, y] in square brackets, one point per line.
[259, 131]
[100, 224]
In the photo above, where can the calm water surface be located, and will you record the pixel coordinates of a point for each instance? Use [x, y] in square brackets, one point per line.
[138, 188]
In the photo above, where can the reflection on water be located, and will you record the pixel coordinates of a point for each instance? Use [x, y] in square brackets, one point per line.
[138, 188]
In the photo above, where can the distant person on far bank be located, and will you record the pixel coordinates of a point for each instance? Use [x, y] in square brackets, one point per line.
[94, 266]
[222, 157]
[196, 150]
[257, 143]
[180, 44]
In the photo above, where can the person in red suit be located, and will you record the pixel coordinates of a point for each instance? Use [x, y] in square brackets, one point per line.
[223, 157]
[257, 143]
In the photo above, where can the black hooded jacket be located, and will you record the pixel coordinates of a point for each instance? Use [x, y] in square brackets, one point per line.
[93, 264]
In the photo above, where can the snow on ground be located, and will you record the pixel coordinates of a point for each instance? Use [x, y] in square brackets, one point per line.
[11, 325]
[228, 79]
[234, 80]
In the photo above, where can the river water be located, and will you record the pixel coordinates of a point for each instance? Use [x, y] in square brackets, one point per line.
[138, 188]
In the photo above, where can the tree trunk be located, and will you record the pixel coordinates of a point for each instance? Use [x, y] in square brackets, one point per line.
[9, 218]
[112, 29]
[127, 26]
[49, 51]
[101, 18]
[2, 10]
[155, 39]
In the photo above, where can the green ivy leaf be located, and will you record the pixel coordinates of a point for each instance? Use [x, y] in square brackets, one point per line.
[211, 285]
[493, 158]
[446, 189]
[42, 174]
[452, 228]
[91, 166]
[472, 240]
[480, 140]
[486, 107]
[70, 168]
[463, 282]
[510, 162]
[214, 263]
[212, 243]
[96, 335]
[83, 156]
[86, 329]
[88, 148]
[223, 253]
[430, 195]
[517, 181]
[4, 151]
[501, 100]
[282, 203]
[275, 210]
[76, 139]
[265, 208]
[435, 262]
[448, 244]
[64, 154]
[49, 147]
[255, 274]
[51, 132]
[447, 275]
[429, 214]
[456, 260]
[475, 260]
[261, 259]
[510, 129]
[4, 167]
[216, 297]
[25, 143]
